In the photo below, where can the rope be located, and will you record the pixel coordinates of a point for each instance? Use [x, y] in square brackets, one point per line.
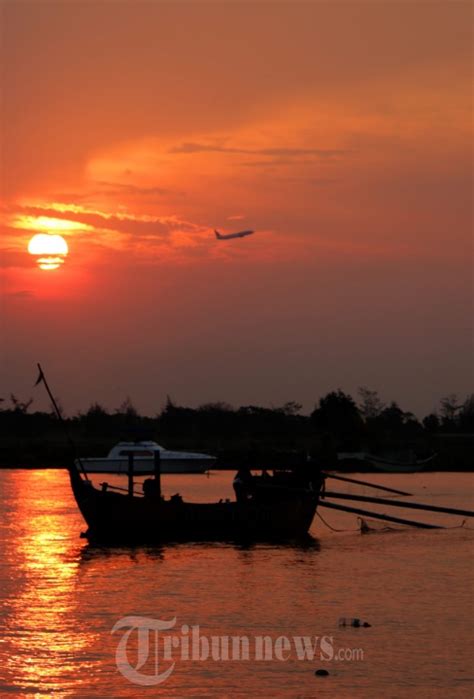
[461, 526]
[333, 528]
[406, 527]
[456, 526]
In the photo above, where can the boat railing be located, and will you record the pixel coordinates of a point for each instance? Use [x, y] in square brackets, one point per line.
[108, 486]
[130, 490]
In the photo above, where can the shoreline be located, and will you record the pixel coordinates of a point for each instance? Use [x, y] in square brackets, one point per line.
[37, 467]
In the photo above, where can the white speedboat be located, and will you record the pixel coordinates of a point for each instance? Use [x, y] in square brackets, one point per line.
[143, 460]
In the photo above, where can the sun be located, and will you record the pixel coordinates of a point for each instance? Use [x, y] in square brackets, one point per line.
[50, 250]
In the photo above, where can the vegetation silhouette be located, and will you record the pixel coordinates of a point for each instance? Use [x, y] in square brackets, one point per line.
[250, 434]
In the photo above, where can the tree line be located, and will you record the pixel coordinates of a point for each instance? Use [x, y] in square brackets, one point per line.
[337, 423]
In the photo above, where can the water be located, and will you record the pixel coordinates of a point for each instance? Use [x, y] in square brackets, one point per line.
[60, 598]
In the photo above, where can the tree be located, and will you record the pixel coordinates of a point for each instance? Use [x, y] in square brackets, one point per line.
[466, 415]
[449, 410]
[290, 408]
[370, 405]
[20, 406]
[95, 410]
[217, 407]
[96, 419]
[396, 426]
[127, 408]
[431, 423]
[394, 417]
[337, 413]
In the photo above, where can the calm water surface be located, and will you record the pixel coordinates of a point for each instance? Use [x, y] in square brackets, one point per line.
[60, 598]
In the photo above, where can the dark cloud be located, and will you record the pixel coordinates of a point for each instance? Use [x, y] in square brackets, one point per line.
[114, 188]
[22, 294]
[68, 197]
[312, 181]
[267, 163]
[192, 147]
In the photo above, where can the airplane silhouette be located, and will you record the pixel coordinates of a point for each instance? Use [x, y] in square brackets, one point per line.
[229, 236]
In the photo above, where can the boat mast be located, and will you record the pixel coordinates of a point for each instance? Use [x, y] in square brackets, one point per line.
[157, 469]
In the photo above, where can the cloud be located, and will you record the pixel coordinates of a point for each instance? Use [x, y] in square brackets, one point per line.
[268, 163]
[145, 237]
[143, 225]
[115, 188]
[313, 181]
[21, 294]
[193, 147]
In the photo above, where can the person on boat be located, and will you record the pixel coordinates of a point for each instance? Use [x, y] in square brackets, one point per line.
[309, 476]
[150, 487]
[243, 482]
[262, 487]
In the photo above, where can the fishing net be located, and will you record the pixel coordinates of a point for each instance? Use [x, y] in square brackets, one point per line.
[372, 526]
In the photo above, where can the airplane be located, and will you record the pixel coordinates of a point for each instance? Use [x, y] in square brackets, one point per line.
[240, 234]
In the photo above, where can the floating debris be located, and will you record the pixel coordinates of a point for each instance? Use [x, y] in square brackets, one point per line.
[354, 621]
[371, 526]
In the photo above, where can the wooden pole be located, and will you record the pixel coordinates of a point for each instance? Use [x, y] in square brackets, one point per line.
[397, 503]
[157, 469]
[130, 474]
[61, 419]
[375, 515]
[370, 485]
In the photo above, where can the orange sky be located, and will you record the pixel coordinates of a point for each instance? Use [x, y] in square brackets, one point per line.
[340, 131]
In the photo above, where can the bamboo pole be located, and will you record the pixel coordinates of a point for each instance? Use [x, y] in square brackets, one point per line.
[370, 485]
[397, 503]
[42, 378]
[117, 487]
[130, 473]
[375, 515]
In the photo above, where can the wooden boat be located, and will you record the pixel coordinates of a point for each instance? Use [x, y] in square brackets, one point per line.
[279, 507]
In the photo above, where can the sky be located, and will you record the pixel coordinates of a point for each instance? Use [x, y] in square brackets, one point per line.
[341, 132]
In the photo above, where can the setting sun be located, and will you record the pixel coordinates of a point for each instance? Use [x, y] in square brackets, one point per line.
[50, 250]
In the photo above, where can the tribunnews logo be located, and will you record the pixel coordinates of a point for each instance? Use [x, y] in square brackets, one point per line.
[149, 648]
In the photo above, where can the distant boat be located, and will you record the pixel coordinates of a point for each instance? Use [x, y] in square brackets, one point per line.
[386, 465]
[389, 466]
[171, 461]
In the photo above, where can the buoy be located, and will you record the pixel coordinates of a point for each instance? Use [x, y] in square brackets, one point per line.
[321, 673]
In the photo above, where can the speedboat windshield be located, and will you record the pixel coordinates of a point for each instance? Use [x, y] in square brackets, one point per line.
[140, 448]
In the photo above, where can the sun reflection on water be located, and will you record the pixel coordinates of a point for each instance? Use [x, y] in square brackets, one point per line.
[47, 642]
